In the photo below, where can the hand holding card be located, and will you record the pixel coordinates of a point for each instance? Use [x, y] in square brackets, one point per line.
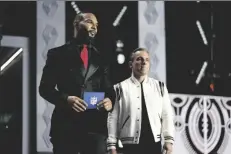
[105, 104]
[77, 103]
[93, 98]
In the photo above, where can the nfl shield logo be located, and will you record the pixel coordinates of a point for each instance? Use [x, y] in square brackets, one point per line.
[93, 100]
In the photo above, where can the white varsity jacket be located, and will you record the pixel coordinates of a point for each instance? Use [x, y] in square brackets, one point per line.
[124, 122]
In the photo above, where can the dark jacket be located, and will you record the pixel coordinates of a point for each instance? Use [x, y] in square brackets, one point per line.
[64, 75]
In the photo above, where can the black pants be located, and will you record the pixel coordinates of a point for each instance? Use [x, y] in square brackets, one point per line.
[90, 144]
[145, 146]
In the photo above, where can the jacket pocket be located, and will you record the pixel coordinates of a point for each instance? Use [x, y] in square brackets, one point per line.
[125, 121]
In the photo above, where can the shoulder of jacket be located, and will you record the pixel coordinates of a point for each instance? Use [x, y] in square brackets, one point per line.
[57, 50]
[159, 84]
[154, 81]
[126, 81]
[122, 83]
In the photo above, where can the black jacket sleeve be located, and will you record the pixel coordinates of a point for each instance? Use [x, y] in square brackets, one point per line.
[107, 84]
[47, 87]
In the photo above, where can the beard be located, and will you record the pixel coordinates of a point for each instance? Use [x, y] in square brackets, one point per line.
[85, 36]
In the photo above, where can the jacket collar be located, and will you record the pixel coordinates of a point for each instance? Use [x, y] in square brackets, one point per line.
[135, 81]
[75, 43]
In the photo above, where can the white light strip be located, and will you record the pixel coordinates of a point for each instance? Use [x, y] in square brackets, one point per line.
[11, 59]
[202, 72]
[120, 15]
[201, 32]
[75, 7]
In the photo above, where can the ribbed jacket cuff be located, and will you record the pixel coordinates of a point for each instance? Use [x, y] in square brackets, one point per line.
[169, 139]
[111, 146]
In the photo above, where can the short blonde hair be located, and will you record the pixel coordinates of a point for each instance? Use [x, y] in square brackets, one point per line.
[134, 51]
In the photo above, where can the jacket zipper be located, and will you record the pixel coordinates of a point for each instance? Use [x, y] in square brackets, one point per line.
[125, 121]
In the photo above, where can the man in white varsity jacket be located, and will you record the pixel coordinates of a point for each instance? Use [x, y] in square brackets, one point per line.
[142, 112]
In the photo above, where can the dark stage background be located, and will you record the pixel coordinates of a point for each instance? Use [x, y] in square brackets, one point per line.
[186, 51]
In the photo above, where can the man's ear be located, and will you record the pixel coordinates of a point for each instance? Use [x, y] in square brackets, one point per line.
[130, 64]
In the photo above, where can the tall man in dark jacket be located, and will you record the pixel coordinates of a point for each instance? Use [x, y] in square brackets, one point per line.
[71, 70]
